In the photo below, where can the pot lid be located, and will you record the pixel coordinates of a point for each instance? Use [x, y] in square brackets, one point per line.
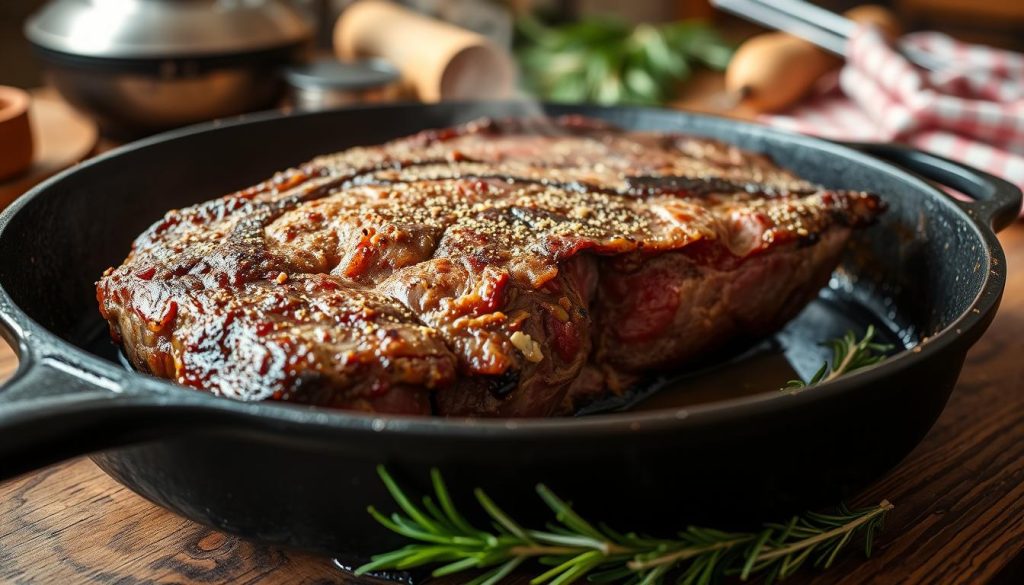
[333, 74]
[129, 29]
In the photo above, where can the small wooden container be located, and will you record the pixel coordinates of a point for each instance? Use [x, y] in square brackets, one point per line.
[16, 147]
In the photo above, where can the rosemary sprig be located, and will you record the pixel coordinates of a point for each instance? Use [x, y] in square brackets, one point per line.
[848, 354]
[575, 548]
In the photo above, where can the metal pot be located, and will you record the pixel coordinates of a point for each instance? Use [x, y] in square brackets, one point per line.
[140, 66]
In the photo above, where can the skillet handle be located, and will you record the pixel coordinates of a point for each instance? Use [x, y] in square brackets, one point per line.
[56, 406]
[998, 202]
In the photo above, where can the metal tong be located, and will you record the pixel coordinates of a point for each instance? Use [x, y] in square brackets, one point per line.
[814, 24]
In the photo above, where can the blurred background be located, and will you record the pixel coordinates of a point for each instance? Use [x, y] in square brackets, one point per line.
[996, 22]
[122, 69]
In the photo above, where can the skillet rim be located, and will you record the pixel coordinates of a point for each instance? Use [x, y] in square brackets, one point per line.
[32, 341]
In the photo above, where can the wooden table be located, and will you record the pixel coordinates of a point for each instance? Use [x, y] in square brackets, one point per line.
[959, 497]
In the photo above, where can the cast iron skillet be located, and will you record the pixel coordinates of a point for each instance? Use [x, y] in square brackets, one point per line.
[931, 271]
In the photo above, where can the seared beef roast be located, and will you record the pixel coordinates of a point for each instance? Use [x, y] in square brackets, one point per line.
[515, 268]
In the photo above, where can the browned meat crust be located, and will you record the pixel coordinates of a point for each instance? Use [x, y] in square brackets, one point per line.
[483, 266]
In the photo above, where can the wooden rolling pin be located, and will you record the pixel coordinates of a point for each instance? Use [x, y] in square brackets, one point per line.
[440, 61]
[772, 71]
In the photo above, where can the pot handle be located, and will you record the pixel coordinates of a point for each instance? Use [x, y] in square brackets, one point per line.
[57, 406]
[997, 202]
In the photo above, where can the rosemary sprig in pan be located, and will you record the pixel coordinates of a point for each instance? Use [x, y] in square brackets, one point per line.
[848, 354]
[576, 549]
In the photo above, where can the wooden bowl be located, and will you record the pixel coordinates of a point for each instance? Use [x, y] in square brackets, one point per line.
[15, 132]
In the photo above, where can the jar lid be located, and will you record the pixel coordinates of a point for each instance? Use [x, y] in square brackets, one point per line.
[141, 29]
[333, 74]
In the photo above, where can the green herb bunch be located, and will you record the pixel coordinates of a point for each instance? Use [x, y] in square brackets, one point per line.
[608, 62]
[574, 549]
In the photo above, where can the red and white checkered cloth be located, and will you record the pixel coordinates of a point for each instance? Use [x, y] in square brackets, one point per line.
[971, 111]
